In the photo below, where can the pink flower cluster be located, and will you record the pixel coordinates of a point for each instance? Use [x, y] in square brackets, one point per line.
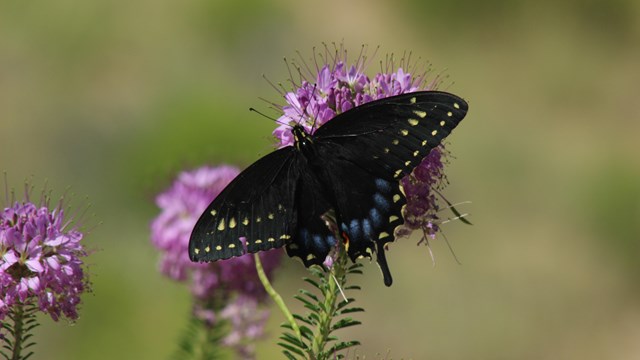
[230, 289]
[40, 261]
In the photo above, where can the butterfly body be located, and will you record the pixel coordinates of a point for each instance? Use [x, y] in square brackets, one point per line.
[348, 172]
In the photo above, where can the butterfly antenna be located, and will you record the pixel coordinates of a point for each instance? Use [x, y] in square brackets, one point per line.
[269, 117]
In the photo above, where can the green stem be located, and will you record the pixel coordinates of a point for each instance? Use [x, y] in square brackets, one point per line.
[276, 297]
[18, 330]
[330, 293]
[209, 339]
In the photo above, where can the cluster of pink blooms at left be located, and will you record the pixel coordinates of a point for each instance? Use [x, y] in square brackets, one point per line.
[40, 261]
[234, 283]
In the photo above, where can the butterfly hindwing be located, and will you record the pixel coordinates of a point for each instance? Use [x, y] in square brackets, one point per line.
[313, 238]
[369, 208]
[257, 205]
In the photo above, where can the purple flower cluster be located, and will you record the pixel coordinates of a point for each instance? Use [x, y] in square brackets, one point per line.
[40, 261]
[336, 88]
[247, 323]
[221, 288]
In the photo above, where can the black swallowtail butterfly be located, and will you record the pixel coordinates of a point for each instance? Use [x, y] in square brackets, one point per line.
[349, 168]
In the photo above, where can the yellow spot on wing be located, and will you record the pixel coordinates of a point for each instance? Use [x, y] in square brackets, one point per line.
[424, 142]
[407, 163]
[196, 250]
[221, 225]
[413, 122]
[434, 132]
[207, 249]
[396, 198]
[270, 216]
[214, 213]
[404, 132]
[455, 105]
[232, 223]
[217, 248]
[258, 241]
[395, 142]
[258, 219]
[449, 114]
[442, 123]
[271, 239]
[416, 153]
[393, 218]
[285, 237]
[422, 114]
[386, 150]
[245, 222]
[383, 235]
[231, 246]
[412, 100]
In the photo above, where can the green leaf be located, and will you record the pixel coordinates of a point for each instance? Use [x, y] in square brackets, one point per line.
[343, 345]
[349, 310]
[303, 300]
[306, 332]
[312, 282]
[289, 356]
[292, 349]
[343, 323]
[314, 317]
[309, 295]
[303, 319]
[293, 340]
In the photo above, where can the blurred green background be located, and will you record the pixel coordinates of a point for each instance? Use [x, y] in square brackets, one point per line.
[113, 98]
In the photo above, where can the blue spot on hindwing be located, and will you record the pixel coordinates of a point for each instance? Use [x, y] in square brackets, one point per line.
[354, 229]
[319, 243]
[375, 217]
[381, 202]
[366, 227]
[331, 240]
[383, 185]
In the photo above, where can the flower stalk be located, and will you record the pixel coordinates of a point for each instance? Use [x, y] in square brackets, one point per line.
[313, 336]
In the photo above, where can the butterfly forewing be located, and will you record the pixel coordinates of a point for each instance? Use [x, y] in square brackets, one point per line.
[257, 205]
